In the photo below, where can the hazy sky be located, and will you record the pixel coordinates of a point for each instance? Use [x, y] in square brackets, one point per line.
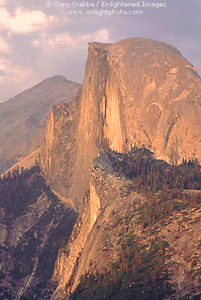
[42, 38]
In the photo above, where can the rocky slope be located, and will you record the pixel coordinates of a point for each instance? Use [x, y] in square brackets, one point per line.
[23, 118]
[34, 224]
[131, 241]
[28, 162]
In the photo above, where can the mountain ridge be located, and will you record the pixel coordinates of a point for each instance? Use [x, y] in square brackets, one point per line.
[23, 118]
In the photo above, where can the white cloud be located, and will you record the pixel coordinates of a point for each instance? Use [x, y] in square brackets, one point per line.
[3, 2]
[3, 46]
[78, 41]
[23, 21]
[14, 76]
[12, 72]
[36, 43]
[5, 67]
[63, 39]
[103, 35]
[4, 64]
[85, 37]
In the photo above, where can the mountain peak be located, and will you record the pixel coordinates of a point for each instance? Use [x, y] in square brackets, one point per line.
[23, 118]
[55, 78]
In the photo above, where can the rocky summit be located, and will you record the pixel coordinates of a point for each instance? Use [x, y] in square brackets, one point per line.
[23, 118]
[136, 92]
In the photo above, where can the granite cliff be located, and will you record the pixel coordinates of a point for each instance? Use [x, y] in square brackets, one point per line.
[57, 157]
[136, 93]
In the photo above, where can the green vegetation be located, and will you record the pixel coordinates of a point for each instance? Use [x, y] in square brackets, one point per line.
[152, 175]
[167, 187]
[138, 270]
[137, 273]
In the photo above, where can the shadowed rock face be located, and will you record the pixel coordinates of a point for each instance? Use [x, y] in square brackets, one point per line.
[23, 118]
[31, 233]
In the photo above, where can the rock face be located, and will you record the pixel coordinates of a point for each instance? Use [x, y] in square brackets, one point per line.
[86, 239]
[23, 118]
[139, 92]
[59, 149]
[136, 92]
[30, 236]
[112, 213]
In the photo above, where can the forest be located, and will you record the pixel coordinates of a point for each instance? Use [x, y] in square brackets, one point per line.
[140, 273]
[167, 187]
[18, 190]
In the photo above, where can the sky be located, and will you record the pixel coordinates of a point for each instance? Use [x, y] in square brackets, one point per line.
[42, 38]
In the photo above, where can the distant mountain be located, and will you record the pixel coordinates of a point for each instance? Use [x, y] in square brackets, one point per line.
[23, 118]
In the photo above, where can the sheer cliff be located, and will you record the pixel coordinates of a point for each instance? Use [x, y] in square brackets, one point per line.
[136, 92]
[23, 118]
[58, 155]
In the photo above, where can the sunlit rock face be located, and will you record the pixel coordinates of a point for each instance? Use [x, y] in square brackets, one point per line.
[137, 92]
[58, 154]
[160, 96]
[23, 118]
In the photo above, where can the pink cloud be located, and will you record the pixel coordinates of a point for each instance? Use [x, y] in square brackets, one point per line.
[77, 41]
[4, 47]
[24, 21]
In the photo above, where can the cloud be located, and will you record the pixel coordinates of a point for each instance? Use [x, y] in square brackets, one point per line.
[13, 77]
[103, 35]
[62, 39]
[3, 2]
[75, 41]
[8, 69]
[3, 63]
[4, 47]
[24, 21]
